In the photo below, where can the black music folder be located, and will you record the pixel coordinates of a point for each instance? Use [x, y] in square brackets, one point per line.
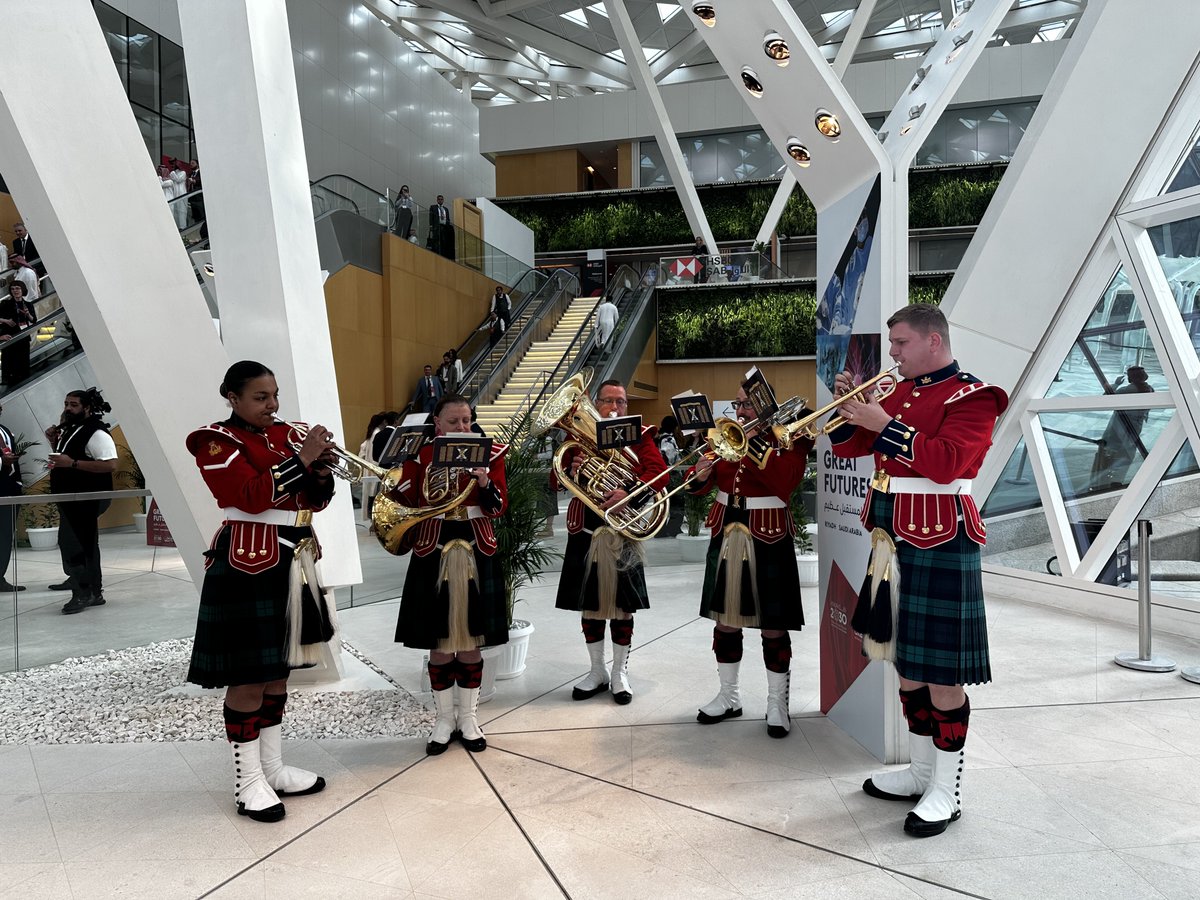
[406, 440]
[461, 451]
[692, 411]
[618, 433]
[760, 395]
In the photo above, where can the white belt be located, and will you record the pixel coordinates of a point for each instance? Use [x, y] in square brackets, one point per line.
[752, 502]
[925, 486]
[294, 517]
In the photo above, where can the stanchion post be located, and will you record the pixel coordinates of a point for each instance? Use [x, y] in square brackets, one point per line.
[1145, 660]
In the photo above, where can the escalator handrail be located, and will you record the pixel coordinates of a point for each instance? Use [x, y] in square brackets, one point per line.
[59, 312]
[516, 315]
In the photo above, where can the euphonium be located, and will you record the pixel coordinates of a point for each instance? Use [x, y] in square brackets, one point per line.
[391, 519]
[602, 471]
[878, 387]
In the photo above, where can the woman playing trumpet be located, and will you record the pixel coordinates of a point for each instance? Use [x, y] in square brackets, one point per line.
[262, 612]
[453, 601]
[750, 579]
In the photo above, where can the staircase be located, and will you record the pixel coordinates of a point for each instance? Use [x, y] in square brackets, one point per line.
[542, 357]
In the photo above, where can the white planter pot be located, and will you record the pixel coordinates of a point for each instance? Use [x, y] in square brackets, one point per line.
[139, 523]
[487, 687]
[511, 662]
[693, 549]
[43, 538]
[807, 563]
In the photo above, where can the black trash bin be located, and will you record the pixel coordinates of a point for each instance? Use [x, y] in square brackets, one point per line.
[1117, 571]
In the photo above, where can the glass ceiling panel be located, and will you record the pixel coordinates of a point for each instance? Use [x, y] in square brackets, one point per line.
[1189, 173]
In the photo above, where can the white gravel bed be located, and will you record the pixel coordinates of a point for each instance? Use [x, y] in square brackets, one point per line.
[117, 697]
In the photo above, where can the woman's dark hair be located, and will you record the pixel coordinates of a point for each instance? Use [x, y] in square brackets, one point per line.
[92, 401]
[376, 421]
[447, 400]
[240, 374]
[453, 354]
[17, 283]
[669, 423]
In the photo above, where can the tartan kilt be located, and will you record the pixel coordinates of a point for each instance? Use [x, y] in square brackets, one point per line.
[241, 628]
[577, 576]
[424, 617]
[942, 633]
[775, 573]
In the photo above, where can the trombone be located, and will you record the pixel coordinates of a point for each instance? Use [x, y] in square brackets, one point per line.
[879, 387]
[345, 465]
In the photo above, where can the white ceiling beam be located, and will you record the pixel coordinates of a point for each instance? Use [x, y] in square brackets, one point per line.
[511, 89]
[582, 77]
[508, 7]
[464, 62]
[854, 34]
[535, 57]
[677, 55]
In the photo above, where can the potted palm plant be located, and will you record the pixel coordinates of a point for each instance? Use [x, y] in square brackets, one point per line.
[693, 546]
[41, 519]
[520, 553]
[133, 477]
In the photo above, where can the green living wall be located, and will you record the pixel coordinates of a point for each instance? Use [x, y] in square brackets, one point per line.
[652, 217]
[750, 322]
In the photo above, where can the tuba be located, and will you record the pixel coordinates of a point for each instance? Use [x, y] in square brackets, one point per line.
[391, 520]
[603, 470]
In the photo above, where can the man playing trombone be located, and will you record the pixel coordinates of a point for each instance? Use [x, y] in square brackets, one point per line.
[750, 579]
[922, 603]
[603, 575]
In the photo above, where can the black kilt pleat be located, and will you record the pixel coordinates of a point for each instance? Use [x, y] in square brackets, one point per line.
[577, 583]
[942, 633]
[241, 628]
[424, 617]
[777, 578]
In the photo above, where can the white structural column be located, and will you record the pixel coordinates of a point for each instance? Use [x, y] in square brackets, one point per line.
[256, 196]
[673, 157]
[113, 250]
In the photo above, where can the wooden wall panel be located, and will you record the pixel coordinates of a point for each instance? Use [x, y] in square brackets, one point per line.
[547, 172]
[625, 164]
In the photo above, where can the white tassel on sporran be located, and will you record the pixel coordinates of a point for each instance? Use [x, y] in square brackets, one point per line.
[737, 547]
[303, 572]
[611, 554]
[885, 567]
[456, 572]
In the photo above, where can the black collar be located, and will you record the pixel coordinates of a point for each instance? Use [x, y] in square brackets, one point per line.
[934, 377]
[236, 421]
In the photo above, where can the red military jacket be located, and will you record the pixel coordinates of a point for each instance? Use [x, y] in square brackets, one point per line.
[481, 505]
[645, 460]
[744, 480]
[255, 471]
[941, 429]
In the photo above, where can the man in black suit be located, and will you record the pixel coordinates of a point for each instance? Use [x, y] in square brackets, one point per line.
[10, 486]
[429, 391]
[23, 247]
[441, 229]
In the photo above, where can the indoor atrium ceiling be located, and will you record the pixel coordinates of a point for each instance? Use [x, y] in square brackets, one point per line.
[507, 51]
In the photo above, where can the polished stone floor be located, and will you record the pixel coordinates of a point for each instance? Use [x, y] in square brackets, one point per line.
[1081, 782]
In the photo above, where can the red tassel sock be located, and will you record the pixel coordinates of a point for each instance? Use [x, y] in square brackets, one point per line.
[240, 727]
[622, 631]
[727, 645]
[593, 630]
[950, 727]
[777, 652]
[470, 674]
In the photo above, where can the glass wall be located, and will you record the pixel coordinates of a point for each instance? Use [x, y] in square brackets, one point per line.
[971, 135]
[153, 73]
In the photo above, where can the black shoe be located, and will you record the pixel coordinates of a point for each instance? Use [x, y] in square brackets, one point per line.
[65, 586]
[777, 731]
[77, 604]
[705, 719]
[477, 745]
[918, 827]
[871, 790]
[622, 697]
[581, 694]
[9, 588]
[97, 600]
[433, 748]
[317, 787]
[270, 814]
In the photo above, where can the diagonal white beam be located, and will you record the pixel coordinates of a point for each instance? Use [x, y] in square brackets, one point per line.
[667, 141]
[677, 55]
[508, 7]
[464, 62]
[508, 88]
[854, 34]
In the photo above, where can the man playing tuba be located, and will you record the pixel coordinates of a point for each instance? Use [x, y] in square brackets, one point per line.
[603, 574]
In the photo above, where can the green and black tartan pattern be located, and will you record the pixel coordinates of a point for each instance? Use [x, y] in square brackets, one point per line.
[777, 576]
[241, 628]
[424, 617]
[942, 633]
[577, 583]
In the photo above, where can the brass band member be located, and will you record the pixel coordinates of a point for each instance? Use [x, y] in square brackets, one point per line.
[453, 601]
[262, 611]
[603, 573]
[750, 579]
[928, 438]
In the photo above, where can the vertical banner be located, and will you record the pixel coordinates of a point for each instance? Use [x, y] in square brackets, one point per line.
[849, 323]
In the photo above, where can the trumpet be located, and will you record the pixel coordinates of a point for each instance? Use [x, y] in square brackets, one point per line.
[879, 387]
[345, 465]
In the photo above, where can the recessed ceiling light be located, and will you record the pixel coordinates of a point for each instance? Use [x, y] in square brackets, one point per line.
[827, 123]
[776, 48]
[798, 152]
[705, 12]
[750, 80]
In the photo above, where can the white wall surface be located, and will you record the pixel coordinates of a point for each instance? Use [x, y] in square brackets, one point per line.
[370, 108]
[505, 233]
[1002, 74]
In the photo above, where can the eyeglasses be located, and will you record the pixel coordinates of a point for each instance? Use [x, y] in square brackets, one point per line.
[613, 400]
[742, 404]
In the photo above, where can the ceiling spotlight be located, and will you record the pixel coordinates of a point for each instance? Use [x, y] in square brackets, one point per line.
[919, 77]
[883, 136]
[959, 42]
[750, 80]
[907, 128]
[827, 123]
[776, 48]
[914, 112]
[705, 12]
[798, 152]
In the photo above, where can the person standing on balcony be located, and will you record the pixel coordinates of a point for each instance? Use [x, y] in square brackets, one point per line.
[700, 251]
[403, 207]
[441, 229]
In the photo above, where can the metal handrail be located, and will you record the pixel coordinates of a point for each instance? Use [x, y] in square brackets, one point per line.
[35, 499]
[471, 366]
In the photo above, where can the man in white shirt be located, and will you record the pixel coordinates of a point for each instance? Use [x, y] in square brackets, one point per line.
[28, 277]
[606, 321]
[83, 461]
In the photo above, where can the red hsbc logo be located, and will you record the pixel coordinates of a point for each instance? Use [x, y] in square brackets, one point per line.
[685, 265]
